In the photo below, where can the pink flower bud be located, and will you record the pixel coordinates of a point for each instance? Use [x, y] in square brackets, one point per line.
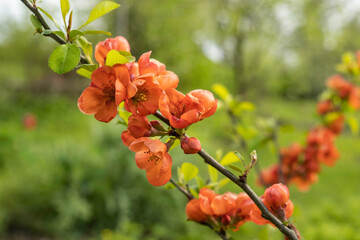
[190, 145]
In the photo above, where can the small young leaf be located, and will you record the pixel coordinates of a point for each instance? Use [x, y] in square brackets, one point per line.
[74, 34]
[213, 174]
[222, 92]
[35, 22]
[229, 158]
[189, 171]
[60, 33]
[86, 46]
[86, 70]
[194, 193]
[65, 8]
[64, 58]
[199, 181]
[235, 168]
[114, 57]
[47, 32]
[51, 18]
[99, 10]
[97, 32]
[223, 182]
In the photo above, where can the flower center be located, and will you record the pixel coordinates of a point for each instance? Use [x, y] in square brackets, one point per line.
[140, 96]
[109, 91]
[152, 158]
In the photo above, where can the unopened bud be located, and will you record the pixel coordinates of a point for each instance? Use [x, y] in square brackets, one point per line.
[157, 125]
[277, 195]
[190, 145]
[225, 220]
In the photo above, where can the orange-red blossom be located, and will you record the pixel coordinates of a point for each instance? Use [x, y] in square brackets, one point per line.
[102, 48]
[228, 210]
[184, 110]
[276, 199]
[101, 97]
[151, 155]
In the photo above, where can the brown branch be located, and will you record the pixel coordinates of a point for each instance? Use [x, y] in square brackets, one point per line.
[186, 193]
[247, 189]
[35, 11]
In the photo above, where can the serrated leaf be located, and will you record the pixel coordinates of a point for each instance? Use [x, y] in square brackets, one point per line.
[97, 32]
[64, 58]
[99, 10]
[65, 8]
[35, 22]
[51, 18]
[74, 34]
[189, 171]
[229, 158]
[213, 174]
[235, 168]
[114, 57]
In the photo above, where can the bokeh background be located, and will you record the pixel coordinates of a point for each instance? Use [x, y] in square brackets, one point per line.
[70, 177]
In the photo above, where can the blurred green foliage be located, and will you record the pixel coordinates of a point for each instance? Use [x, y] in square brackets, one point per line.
[71, 177]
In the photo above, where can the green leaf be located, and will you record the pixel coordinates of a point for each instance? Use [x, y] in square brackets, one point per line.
[200, 182]
[46, 32]
[169, 186]
[51, 18]
[97, 32]
[246, 106]
[86, 46]
[194, 193]
[189, 171]
[235, 168]
[114, 57]
[223, 182]
[123, 113]
[229, 158]
[60, 33]
[86, 70]
[74, 34]
[353, 124]
[180, 175]
[64, 58]
[213, 174]
[35, 22]
[99, 10]
[222, 92]
[65, 8]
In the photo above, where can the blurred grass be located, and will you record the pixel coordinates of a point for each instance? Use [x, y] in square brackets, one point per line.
[71, 178]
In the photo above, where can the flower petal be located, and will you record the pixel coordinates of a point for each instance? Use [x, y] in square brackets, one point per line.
[91, 100]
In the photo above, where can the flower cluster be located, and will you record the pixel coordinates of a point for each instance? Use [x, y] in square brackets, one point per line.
[301, 164]
[144, 87]
[230, 211]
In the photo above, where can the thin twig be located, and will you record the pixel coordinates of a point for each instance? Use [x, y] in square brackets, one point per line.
[186, 193]
[34, 10]
[247, 189]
